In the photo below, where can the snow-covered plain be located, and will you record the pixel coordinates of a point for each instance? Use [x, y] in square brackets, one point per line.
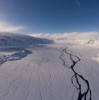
[44, 72]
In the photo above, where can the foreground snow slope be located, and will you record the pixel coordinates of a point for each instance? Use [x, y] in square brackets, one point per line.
[42, 76]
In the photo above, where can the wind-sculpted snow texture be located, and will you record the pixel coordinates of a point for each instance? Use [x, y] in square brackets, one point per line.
[86, 95]
[49, 73]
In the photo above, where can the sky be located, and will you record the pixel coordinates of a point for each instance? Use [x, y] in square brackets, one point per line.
[49, 16]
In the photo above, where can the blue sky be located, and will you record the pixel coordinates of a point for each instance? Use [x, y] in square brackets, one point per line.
[50, 16]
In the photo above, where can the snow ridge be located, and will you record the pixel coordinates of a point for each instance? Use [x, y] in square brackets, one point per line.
[9, 39]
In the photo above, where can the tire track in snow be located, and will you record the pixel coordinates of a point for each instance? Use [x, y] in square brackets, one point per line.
[77, 76]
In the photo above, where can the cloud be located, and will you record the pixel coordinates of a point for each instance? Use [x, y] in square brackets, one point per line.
[65, 36]
[6, 26]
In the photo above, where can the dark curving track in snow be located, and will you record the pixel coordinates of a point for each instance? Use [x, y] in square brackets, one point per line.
[87, 94]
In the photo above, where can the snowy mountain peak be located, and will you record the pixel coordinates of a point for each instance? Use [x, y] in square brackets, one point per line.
[89, 42]
[9, 39]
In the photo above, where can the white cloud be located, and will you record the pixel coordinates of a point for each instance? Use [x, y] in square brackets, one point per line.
[64, 36]
[9, 27]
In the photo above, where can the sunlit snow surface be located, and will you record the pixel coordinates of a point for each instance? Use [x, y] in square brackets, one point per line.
[39, 74]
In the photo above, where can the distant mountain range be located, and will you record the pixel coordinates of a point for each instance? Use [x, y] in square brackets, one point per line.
[11, 39]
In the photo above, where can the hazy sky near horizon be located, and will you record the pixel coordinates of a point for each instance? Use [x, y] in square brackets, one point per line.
[50, 16]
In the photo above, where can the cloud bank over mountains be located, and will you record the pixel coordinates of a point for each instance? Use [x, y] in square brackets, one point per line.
[64, 36]
[9, 27]
[6, 26]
